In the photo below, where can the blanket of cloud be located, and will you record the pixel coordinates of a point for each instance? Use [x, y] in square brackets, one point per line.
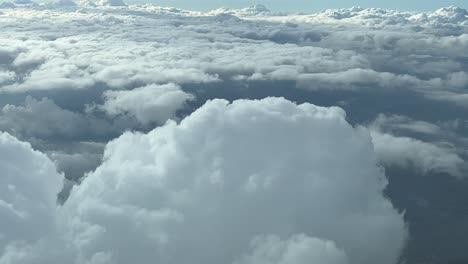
[76, 75]
[290, 191]
[95, 69]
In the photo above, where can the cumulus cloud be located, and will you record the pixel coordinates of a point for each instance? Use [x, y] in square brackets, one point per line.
[425, 157]
[64, 3]
[113, 3]
[29, 185]
[254, 10]
[45, 120]
[73, 140]
[395, 141]
[300, 249]
[151, 103]
[397, 123]
[216, 177]
[379, 16]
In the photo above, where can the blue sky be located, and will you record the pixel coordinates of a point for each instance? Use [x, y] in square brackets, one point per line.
[310, 5]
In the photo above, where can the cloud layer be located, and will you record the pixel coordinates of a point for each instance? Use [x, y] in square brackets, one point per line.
[335, 49]
[91, 84]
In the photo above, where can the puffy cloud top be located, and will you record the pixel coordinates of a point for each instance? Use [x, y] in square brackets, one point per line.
[113, 3]
[64, 3]
[451, 14]
[152, 103]
[255, 10]
[421, 156]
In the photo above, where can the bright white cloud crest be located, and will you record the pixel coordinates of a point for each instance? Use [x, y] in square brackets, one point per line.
[151, 103]
[230, 174]
[249, 182]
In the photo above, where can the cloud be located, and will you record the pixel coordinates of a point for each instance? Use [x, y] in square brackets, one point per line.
[141, 45]
[457, 98]
[43, 119]
[216, 177]
[64, 3]
[300, 249]
[440, 149]
[452, 14]
[75, 165]
[6, 76]
[113, 3]
[399, 123]
[380, 17]
[29, 185]
[151, 103]
[73, 140]
[425, 157]
[254, 10]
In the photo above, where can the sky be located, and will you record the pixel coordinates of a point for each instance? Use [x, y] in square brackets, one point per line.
[311, 5]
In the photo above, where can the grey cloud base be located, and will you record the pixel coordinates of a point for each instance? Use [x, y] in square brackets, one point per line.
[249, 182]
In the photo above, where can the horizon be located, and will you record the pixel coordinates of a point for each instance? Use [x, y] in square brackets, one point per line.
[298, 6]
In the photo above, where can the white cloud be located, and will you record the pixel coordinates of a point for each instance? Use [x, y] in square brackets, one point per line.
[113, 3]
[254, 10]
[300, 249]
[457, 98]
[441, 152]
[140, 45]
[45, 120]
[29, 185]
[452, 14]
[202, 190]
[151, 103]
[425, 157]
[377, 17]
[403, 123]
[207, 188]
[64, 3]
